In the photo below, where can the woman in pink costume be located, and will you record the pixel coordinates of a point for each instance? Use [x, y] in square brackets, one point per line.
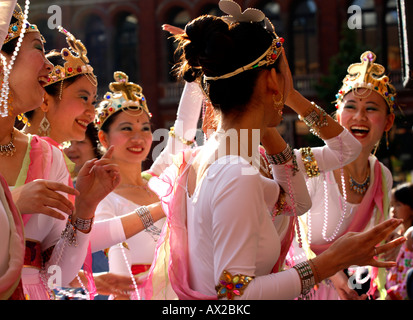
[354, 197]
[123, 120]
[219, 240]
[35, 172]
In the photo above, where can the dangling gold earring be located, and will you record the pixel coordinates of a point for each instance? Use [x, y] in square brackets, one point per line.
[278, 104]
[44, 127]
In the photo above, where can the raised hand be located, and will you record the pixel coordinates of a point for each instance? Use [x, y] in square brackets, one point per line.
[44, 197]
[95, 181]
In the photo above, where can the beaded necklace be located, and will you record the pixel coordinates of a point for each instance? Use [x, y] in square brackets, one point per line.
[343, 204]
[5, 89]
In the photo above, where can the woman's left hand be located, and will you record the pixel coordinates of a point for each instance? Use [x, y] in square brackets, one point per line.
[95, 181]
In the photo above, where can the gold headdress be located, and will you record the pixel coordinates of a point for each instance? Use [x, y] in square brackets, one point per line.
[250, 15]
[76, 61]
[369, 75]
[124, 95]
[16, 27]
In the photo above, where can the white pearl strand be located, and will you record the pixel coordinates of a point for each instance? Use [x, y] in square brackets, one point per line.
[7, 68]
[343, 204]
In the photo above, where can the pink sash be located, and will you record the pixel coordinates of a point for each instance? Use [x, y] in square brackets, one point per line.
[10, 282]
[173, 243]
[41, 159]
[87, 265]
[374, 197]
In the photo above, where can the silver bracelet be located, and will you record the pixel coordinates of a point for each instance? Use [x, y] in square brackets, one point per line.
[306, 276]
[282, 157]
[70, 234]
[315, 120]
[83, 224]
[145, 215]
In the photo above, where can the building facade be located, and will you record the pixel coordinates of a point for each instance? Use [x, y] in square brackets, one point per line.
[126, 35]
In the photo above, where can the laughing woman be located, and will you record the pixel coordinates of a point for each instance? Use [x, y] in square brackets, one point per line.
[356, 196]
[35, 171]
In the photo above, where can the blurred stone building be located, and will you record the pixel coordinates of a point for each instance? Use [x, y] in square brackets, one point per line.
[126, 35]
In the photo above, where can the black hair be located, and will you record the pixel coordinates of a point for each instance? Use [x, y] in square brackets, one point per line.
[212, 47]
[404, 193]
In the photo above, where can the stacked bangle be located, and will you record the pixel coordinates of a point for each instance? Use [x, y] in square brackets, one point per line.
[69, 232]
[315, 120]
[145, 215]
[306, 276]
[83, 224]
[282, 157]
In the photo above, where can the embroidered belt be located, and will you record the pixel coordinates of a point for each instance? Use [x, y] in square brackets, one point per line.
[33, 255]
[139, 268]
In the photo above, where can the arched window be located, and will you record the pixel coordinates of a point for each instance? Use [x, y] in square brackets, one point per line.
[392, 38]
[96, 45]
[304, 28]
[178, 18]
[126, 45]
[367, 35]
[271, 10]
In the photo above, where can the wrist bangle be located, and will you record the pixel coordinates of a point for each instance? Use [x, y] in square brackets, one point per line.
[83, 224]
[145, 215]
[315, 120]
[282, 157]
[317, 278]
[306, 276]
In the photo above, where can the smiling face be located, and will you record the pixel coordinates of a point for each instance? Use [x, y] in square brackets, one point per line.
[70, 116]
[131, 134]
[366, 118]
[29, 74]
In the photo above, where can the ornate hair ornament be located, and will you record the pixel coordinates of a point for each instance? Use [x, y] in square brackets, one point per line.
[124, 95]
[76, 61]
[16, 27]
[250, 15]
[368, 75]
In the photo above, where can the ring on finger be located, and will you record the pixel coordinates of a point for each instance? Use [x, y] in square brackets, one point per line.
[375, 251]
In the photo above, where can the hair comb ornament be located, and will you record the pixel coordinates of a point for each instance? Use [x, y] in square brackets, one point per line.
[368, 75]
[16, 27]
[76, 61]
[250, 15]
[124, 95]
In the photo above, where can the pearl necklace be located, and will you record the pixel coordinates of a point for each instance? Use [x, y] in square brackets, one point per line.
[343, 204]
[7, 67]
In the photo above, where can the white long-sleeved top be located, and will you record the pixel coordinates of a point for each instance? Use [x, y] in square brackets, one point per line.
[107, 230]
[47, 230]
[231, 225]
[229, 222]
